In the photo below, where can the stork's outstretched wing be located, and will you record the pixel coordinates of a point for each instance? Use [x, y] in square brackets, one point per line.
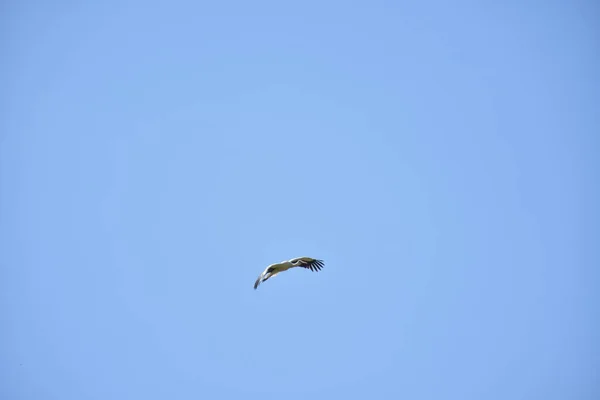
[271, 271]
[274, 269]
[307, 262]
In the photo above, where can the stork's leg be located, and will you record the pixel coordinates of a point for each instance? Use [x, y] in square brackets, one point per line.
[269, 274]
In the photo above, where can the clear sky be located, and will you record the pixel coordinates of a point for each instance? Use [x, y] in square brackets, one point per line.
[440, 157]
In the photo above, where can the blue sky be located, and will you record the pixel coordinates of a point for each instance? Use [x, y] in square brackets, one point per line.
[155, 157]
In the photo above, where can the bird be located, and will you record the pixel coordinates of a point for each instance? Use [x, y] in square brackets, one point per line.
[272, 270]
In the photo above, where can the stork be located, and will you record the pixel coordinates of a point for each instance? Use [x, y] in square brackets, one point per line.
[273, 269]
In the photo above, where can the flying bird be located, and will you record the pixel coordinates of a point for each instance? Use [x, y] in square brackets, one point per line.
[273, 269]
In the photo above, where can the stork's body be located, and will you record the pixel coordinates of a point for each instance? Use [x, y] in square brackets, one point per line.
[274, 269]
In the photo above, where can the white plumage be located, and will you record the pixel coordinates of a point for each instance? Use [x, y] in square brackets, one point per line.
[273, 269]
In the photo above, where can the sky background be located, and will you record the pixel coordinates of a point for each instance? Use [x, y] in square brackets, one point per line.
[440, 157]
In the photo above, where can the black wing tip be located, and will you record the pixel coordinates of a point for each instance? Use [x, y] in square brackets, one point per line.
[316, 265]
